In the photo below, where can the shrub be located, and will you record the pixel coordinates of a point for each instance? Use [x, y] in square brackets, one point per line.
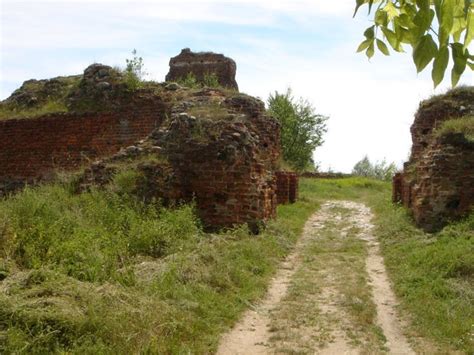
[211, 80]
[134, 72]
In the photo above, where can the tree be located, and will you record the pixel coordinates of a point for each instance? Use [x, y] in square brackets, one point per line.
[435, 29]
[363, 168]
[301, 128]
[379, 170]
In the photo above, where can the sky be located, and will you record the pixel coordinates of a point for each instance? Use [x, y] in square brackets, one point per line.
[307, 45]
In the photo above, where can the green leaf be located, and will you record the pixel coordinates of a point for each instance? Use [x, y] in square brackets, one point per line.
[364, 45]
[359, 3]
[424, 52]
[370, 50]
[446, 21]
[371, 3]
[423, 5]
[470, 30]
[382, 47]
[439, 65]
[405, 21]
[391, 10]
[423, 20]
[381, 18]
[460, 60]
[471, 65]
[392, 39]
[369, 32]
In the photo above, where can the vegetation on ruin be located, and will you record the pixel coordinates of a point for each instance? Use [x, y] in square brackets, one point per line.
[102, 272]
[435, 29]
[210, 80]
[463, 125]
[302, 129]
[380, 170]
[71, 94]
[14, 111]
[134, 72]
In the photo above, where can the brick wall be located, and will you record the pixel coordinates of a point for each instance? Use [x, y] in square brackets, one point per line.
[31, 149]
[228, 165]
[437, 183]
[224, 162]
[287, 187]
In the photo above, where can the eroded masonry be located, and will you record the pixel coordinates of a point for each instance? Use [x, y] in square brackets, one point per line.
[214, 146]
[437, 183]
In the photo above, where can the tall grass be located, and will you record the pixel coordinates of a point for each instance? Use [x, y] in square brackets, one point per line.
[102, 272]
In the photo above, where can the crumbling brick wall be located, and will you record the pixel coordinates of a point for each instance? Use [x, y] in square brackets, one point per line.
[437, 183]
[224, 159]
[215, 147]
[287, 187]
[32, 149]
[445, 188]
[201, 64]
[226, 163]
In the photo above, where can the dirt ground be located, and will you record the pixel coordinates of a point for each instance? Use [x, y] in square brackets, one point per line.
[330, 296]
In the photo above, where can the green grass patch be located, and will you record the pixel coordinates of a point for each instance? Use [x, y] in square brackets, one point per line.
[464, 125]
[101, 272]
[49, 107]
[433, 274]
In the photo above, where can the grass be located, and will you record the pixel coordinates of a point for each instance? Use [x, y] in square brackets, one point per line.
[433, 274]
[464, 125]
[212, 111]
[101, 272]
[52, 106]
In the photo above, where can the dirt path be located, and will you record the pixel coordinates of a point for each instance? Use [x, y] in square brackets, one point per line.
[330, 296]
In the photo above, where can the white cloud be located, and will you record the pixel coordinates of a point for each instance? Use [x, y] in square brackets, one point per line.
[306, 44]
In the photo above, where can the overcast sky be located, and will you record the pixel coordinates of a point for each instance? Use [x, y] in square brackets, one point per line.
[307, 45]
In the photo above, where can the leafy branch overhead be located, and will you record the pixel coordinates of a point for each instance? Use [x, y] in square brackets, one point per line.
[435, 29]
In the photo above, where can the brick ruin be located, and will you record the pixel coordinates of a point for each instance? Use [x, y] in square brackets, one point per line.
[215, 147]
[437, 183]
[201, 64]
[31, 150]
[217, 150]
[287, 187]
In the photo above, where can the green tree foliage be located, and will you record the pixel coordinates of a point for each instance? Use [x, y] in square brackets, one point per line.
[379, 170]
[435, 29]
[301, 128]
